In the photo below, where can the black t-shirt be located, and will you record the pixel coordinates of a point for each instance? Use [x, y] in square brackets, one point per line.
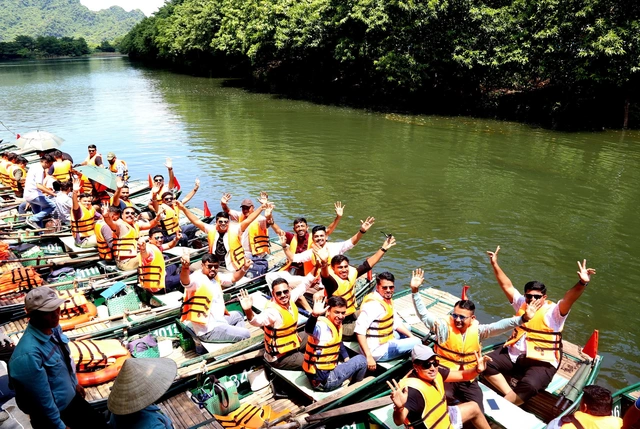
[415, 401]
[220, 250]
[331, 285]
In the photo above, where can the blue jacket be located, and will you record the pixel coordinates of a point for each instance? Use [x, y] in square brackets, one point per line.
[147, 418]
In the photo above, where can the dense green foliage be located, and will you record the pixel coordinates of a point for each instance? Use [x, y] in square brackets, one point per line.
[63, 18]
[43, 46]
[557, 62]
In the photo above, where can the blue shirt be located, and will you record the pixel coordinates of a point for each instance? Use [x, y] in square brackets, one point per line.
[45, 384]
[147, 418]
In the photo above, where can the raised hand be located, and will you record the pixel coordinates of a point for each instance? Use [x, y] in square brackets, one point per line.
[246, 301]
[156, 189]
[398, 396]
[339, 208]
[585, 273]
[225, 199]
[179, 204]
[77, 184]
[322, 254]
[389, 242]
[417, 277]
[142, 243]
[269, 209]
[168, 163]
[493, 256]
[367, 223]
[283, 239]
[119, 182]
[482, 361]
[264, 198]
[319, 307]
[185, 259]
[197, 185]
[105, 209]
[532, 308]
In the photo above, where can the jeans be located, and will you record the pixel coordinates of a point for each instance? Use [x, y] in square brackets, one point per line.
[234, 331]
[398, 347]
[354, 369]
[41, 206]
[260, 266]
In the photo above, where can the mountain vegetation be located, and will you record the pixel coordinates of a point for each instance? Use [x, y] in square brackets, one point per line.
[64, 18]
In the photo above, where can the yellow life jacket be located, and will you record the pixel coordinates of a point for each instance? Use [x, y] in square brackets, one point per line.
[126, 203]
[346, 289]
[309, 265]
[91, 160]
[75, 303]
[283, 337]
[322, 356]
[151, 275]
[591, 422]
[62, 170]
[457, 353]
[87, 186]
[17, 185]
[542, 343]
[104, 251]
[95, 353]
[196, 305]
[436, 413]
[126, 246]
[234, 258]
[4, 176]
[85, 225]
[380, 329]
[170, 223]
[114, 169]
[258, 237]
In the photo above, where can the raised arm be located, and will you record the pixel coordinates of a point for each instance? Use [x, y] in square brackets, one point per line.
[173, 243]
[169, 165]
[364, 227]
[224, 202]
[285, 247]
[253, 216]
[503, 280]
[116, 195]
[429, 319]
[237, 275]
[184, 270]
[191, 193]
[74, 195]
[154, 198]
[572, 295]
[389, 242]
[339, 211]
[192, 218]
[506, 325]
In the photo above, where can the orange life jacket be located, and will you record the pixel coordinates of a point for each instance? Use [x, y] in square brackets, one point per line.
[457, 353]
[435, 414]
[346, 288]
[126, 246]
[322, 356]
[234, 258]
[542, 343]
[84, 227]
[590, 422]
[380, 329]
[104, 251]
[196, 304]
[151, 275]
[283, 337]
[19, 279]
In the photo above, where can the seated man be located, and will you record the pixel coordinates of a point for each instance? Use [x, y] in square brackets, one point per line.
[324, 347]
[170, 218]
[203, 306]
[595, 412]
[18, 175]
[63, 202]
[37, 194]
[61, 168]
[159, 187]
[118, 167]
[120, 198]
[104, 235]
[171, 272]
[459, 335]
[83, 217]
[381, 334]
[419, 399]
[534, 348]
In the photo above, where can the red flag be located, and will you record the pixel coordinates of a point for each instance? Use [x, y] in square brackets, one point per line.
[150, 182]
[591, 348]
[176, 185]
[207, 212]
[17, 136]
[465, 288]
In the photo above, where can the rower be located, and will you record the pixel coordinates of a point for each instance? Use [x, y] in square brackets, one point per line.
[419, 399]
[340, 279]
[459, 335]
[595, 412]
[325, 348]
[94, 158]
[381, 334]
[118, 167]
[535, 348]
[83, 217]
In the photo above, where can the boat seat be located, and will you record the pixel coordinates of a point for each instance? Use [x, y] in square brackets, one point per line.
[507, 413]
[355, 347]
[70, 244]
[383, 416]
[171, 300]
[107, 266]
[299, 380]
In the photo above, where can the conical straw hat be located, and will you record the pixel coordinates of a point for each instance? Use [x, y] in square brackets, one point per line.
[140, 383]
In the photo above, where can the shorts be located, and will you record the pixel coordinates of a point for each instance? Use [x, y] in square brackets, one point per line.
[455, 416]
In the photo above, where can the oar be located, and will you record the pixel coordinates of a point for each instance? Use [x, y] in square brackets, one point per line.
[110, 318]
[39, 258]
[350, 409]
[73, 261]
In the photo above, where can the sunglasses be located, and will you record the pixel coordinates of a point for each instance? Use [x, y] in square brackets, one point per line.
[168, 199]
[281, 292]
[428, 364]
[532, 296]
[210, 266]
[459, 317]
[128, 213]
[222, 222]
[92, 150]
[158, 180]
[158, 237]
[387, 287]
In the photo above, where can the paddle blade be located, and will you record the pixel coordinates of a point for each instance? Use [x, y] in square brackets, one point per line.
[465, 288]
[591, 348]
[150, 182]
[207, 212]
[176, 185]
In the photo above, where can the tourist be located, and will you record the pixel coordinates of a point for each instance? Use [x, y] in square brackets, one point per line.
[419, 399]
[36, 194]
[632, 416]
[594, 413]
[459, 335]
[120, 197]
[118, 167]
[94, 158]
[64, 203]
[203, 306]
[325, 349]
[42, 372]
[139, 384]
[61, 168]
[159, 185]
[8, 159]
[170, 219]
[104, 234]
[535, 348]
[83, 217]
[381, 334]
[17, 174]
[153, 273]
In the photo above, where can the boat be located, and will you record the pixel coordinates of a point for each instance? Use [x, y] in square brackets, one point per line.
[624, 399]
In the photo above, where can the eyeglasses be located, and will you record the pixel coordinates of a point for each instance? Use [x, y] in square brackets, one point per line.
[428, 364]
[459, 317]
[387, 287]
[158, 180]
[129, 213]
[532, 296]
[222, 222]
[158, 237]
[211, 266]
[281, 292]
[92, 150]
[168, 200]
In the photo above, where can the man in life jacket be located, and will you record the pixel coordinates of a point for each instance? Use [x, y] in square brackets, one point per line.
[120, 197]
[535, 348]
[339, 278]
[18, 174]
[224, 237]
[83, 217]
[159, 186]
[37, 194]
[104, 234]
[419, 400]
[283, 345]
[381, 334]
[170, 220]
[147, 270]
[255, 237]
[42, 372]
[94, 158]
[324, 347]
[594, 413]
[7, 159]
[459, 335]
[118, 167]
[203, 306]
[61, 168]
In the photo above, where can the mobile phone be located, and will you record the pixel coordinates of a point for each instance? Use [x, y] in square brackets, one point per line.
[493, 404]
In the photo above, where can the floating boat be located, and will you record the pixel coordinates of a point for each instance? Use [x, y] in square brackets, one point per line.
[624, 399]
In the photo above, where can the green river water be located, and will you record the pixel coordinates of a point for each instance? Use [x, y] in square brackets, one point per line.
[448, 188]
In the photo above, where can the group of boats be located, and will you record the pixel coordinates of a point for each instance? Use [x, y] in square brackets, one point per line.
[109, 307]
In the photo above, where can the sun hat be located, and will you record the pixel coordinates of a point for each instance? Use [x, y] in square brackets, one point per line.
[111, 155]
[43, 299]
[141, 382]
[246, 203]
[422, 352]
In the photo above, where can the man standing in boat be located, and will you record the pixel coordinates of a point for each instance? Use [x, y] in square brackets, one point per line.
[419, 399]
[459, 336]
[42, 372]
[535, 348]
[381, 334]
[37, 194]
[324, 347]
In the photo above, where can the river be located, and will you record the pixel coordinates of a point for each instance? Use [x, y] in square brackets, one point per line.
[447, 188]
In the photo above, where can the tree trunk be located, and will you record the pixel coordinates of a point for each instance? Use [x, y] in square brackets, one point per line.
[626, 113]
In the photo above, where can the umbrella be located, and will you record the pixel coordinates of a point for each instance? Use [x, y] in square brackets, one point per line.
[39, 140]
[98, 174]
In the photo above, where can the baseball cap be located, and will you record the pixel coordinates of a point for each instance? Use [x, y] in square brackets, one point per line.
[111, 155]
[422, 352]
[43, 299]
[246, 202]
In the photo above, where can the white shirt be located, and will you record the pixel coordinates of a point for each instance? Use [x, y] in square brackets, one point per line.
[35, 176]
[216, 310]
[333, 248]
[552, 318]
[63, 202]
[225, 240]
[370, 311]
[234, 215]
